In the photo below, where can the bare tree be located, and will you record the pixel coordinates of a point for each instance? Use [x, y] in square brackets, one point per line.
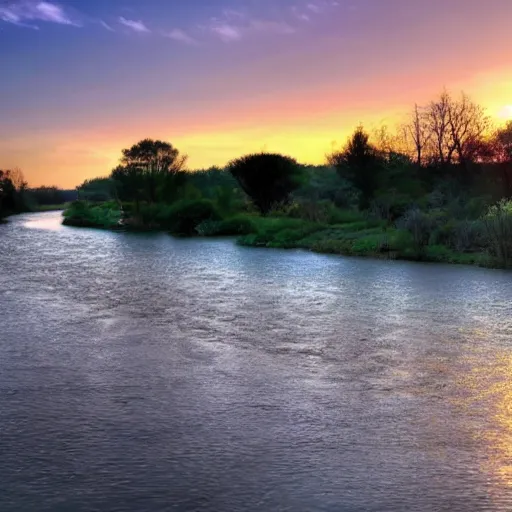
[417, 134]
[438, 119]
[18, 179]
[467, 124]
[456, 126]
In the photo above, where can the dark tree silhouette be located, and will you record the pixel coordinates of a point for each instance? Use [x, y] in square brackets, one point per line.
[147, 168]
[267, 178]
[360, 163]
[7, 194]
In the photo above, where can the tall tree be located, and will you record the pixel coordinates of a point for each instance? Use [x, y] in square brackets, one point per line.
[156, 162]
[7, 194]
[455, 126]
[360, 163]
[267, 178]
[417, 134]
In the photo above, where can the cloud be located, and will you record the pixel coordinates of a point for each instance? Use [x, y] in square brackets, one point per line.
[136, 26]
[234, 25]
[181, 36]
[19, 13]
[227, 33]
[106, 26]
[276, 27]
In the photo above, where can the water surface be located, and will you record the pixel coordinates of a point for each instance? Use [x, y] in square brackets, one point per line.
[146, 373]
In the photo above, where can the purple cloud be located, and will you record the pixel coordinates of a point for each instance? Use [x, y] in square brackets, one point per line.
[136, 26]
[19, 13]
[181, 36]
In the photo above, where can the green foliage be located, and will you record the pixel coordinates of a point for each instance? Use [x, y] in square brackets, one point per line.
[360, 163]
[97, 190]
[14, 196]
[234, 226]
[85, 214]
[183, 217]
[324, 183]
[419, 225]
[498, 231]
[267, 178]
[151, 170]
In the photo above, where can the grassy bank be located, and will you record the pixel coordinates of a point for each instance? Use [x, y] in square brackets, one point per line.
[342, 232]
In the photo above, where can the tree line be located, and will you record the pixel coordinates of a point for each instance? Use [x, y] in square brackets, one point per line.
[438, 185]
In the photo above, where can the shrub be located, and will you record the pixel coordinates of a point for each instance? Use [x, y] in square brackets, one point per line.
[184, 216]
[332, 246]
[370, 244]
[419, 224]
[84, 214]
[267, 178]
[239, 225]
[498, 231]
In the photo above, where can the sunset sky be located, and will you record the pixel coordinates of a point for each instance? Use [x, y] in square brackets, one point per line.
[82, 79]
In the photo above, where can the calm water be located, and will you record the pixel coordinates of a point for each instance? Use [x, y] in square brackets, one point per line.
[145, 373]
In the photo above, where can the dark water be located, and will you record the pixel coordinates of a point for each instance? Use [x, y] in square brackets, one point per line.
[144, 373]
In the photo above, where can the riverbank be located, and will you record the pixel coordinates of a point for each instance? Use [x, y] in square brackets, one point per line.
[52, 207]
[347, 233]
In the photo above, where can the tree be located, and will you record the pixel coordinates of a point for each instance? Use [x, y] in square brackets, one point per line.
[7, 194]
[455, 126]
[267, 178]
[129, 182]
[97, 189]
[155, 163]
[496, 152]
[416, 133]
[360, 163]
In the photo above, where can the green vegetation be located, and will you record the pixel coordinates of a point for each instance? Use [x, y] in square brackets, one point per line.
[438, 188]
[84, 214]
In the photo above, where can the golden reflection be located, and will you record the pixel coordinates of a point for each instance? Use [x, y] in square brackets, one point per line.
[486, 398]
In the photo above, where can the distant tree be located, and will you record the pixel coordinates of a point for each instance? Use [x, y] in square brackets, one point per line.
[47, 195]
[130, 183]
[360, 163]
[7, 194]
[97, 189]
[153, 164]
[267, 178]
[455, 127]
[417, 134]
[495, 153]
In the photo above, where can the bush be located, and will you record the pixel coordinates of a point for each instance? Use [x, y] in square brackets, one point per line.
[267, 178]
[85, 214]
[239, 225]
[184, 216]
[498, 232]
[419, 224]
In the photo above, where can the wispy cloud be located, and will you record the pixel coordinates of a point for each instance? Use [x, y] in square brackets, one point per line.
[19, 13]
[225, 32]
[181, 36]
[234, 25]
[106, 26]
[136, 26]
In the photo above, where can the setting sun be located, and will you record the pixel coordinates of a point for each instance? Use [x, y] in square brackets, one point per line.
[506, 113]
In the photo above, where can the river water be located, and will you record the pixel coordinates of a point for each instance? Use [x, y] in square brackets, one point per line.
[147, 373]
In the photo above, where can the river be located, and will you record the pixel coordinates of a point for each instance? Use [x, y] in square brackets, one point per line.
[148, 373]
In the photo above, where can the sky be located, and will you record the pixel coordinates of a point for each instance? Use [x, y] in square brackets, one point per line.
[83, 79]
